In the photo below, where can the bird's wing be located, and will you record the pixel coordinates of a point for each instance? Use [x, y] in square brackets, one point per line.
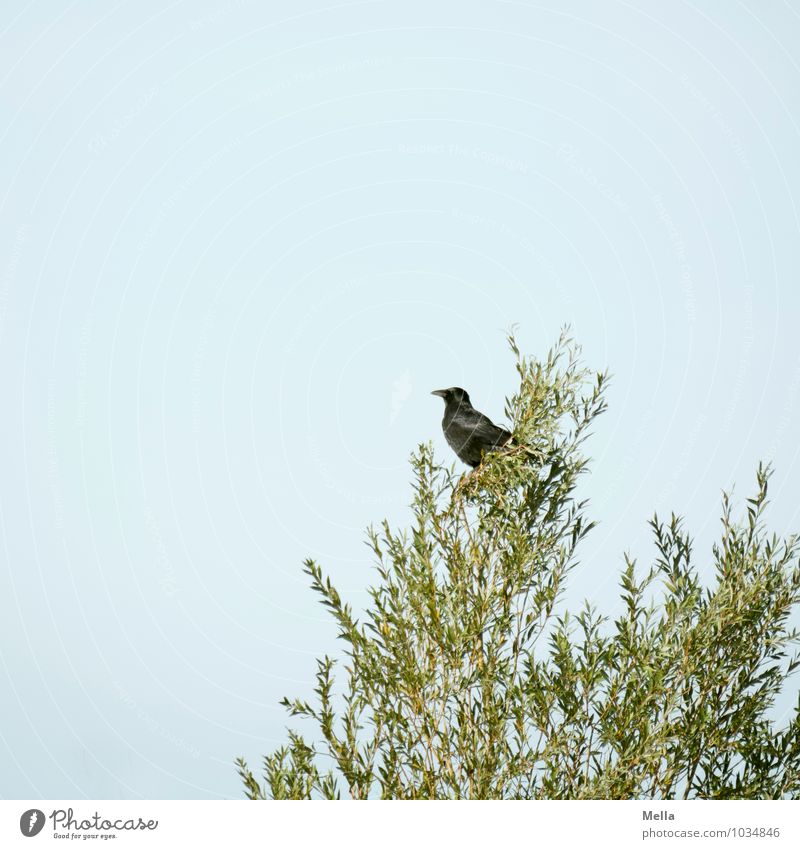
[487, 426]
[484, 429]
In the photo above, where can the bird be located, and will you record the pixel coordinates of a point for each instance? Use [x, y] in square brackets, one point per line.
[468, 432]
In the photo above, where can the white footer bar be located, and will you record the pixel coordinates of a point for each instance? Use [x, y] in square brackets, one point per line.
[415, 825]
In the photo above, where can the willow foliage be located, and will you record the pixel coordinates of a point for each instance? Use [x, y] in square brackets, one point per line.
[466, 678]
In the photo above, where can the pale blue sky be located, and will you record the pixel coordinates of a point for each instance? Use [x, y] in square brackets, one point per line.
[240, 244]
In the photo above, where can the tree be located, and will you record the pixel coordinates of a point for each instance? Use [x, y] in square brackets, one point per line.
[466, 678]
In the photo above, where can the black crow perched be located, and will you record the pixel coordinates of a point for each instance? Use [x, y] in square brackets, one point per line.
[469, 433]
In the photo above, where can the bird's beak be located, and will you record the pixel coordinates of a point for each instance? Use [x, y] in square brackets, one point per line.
[442, 393]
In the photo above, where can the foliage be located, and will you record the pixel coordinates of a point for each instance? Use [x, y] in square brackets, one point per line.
[465, 678]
